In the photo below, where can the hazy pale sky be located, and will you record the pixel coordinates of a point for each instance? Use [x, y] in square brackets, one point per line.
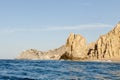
[46, 24]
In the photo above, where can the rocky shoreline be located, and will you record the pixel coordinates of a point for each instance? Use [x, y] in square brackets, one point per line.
[106, 48]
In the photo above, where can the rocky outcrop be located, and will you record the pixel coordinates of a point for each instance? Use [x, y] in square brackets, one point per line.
[34, 54]
[56, 53]
[75, 47]
[29, 54]
[106, 47]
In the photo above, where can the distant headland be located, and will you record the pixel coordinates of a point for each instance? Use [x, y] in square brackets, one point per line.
[107, 48]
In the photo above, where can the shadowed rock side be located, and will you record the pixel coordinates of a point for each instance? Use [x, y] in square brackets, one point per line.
[107, 47]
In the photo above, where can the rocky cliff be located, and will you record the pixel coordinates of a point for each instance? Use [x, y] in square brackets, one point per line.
[106, 47]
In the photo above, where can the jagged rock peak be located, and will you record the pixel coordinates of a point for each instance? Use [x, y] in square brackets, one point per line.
[108, 45]
[117, 28]
[75, 47]
[76, 40]
[75, 35]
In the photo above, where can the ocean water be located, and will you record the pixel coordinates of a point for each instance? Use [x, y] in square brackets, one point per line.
[58, 70]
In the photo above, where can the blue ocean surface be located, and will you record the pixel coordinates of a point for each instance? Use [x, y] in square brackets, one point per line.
[58, 70]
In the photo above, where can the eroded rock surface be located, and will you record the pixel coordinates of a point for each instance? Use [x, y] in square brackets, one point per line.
[33, 54]
[106, 47]
[75, 47]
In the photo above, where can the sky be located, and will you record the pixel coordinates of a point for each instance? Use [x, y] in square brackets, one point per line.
[46, 24]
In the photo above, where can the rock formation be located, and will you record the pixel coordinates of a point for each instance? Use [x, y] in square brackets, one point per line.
[34, 54]
[75, 47]
[106, 47]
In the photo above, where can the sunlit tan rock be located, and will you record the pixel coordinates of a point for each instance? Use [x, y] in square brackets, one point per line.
[33, 54]
[108, 45]
[75, 47]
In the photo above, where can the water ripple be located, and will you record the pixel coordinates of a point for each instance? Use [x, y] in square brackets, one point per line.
[58, 70]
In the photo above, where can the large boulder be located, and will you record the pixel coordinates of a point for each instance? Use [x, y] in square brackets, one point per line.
[75, 47]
